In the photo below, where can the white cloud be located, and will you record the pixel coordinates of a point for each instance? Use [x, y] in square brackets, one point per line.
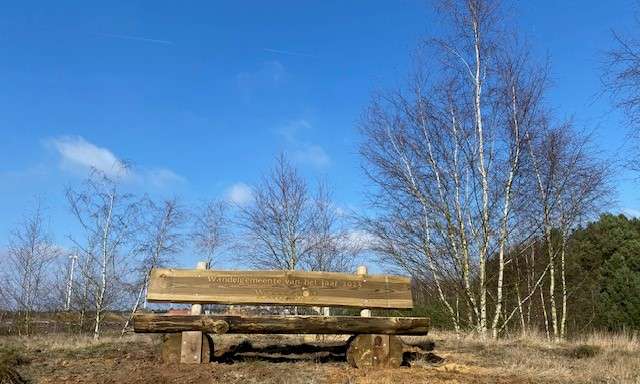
[293, 129]
[161, 177]
[239, 193]
[312, 154]
[76, 152]
[361, 239]
[303, 151]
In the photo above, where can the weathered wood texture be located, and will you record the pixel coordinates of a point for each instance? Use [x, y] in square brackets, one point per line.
[284, 324]
[279, 287]
[171, 352]
[191, 351]
[378, 351]
[362, 271]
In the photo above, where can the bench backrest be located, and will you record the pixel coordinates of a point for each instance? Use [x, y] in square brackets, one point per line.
[279, 288]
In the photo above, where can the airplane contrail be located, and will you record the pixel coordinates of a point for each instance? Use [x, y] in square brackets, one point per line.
[290, 53]
[137, 38]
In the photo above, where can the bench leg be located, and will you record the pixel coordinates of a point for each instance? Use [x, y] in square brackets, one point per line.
[191, 352]
[192, 340]
[172, 348]
[377, 351]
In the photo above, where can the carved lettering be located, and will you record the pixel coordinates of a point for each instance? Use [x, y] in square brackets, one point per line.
[279, 287]
[241, 281]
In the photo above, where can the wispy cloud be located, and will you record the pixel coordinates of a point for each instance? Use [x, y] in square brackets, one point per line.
[303, 151]
[294, 129]
[289, 53]
[312, 154]
[360, 239]
[136, 38]
[161, 177]
[239, 193]
[270, 74]
[76, 152]
[79, 155]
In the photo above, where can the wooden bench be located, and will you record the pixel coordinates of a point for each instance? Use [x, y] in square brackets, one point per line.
[375, 341]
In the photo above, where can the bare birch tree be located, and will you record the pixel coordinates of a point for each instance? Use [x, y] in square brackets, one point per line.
[107, 218]
[81, 298]
[447, 152]
[30, 252]
[161, 238]
[278, 224]
[64, 281]
[449, 155]
[621, 78]
[571, 185]
[210, 229]
[334, 246]
[287, 227]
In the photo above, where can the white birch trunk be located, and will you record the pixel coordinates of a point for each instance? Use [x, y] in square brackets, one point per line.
[104, 267]
[563, 282]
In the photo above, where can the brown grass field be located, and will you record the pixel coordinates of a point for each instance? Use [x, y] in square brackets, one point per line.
[136, 359]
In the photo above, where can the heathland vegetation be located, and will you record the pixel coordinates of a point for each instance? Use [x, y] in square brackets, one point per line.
[498, 210]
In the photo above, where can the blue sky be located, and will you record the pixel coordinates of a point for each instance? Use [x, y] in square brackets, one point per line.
[201, 96]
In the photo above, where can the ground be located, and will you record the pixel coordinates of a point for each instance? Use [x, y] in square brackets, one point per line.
[136, 359]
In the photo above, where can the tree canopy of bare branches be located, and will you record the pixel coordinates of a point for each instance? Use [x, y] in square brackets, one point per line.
[621, 79]
[334, 248]
[30, 253]
[278, 223]
[210, 229]
[108, 219]
[450, 157]
[160, 239]
[286, 227]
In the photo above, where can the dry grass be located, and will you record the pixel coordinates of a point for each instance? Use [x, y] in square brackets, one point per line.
[594, 358]
[597, 358]
[10, 359]
[55, 342]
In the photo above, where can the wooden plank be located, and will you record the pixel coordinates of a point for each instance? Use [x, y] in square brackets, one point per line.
[191, 351]
[346, 325]
[280, 288]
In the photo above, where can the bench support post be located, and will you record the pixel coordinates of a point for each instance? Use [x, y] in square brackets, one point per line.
[362, 271]
[191, 349]
[377, 351]
[373, 350]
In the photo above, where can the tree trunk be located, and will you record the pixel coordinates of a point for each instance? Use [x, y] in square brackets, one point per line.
[544, 313]
[552, 299]
[105, 263]
[100, 298]
[482, 324]
[83, 306]
[135, 305]
[563, 282]
[98, 318]
[504, 229]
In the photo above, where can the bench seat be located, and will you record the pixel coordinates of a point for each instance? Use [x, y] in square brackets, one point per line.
[344, 325]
